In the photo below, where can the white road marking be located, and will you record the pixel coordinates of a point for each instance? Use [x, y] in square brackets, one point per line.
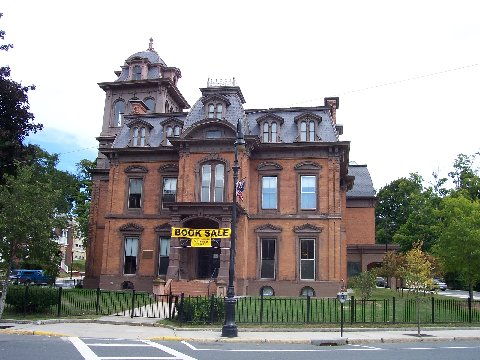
[119, 345]
[83, 349]
[281, 350]
[171, 351]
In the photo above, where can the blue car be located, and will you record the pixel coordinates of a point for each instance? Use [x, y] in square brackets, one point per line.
[33, 277]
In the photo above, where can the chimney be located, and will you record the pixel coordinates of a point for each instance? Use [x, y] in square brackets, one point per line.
[332, 103]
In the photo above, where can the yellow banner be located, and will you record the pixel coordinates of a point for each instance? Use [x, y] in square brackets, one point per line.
[201, 233]
[201, 242]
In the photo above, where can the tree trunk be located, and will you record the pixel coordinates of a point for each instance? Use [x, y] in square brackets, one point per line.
[418, 316]
[3, 298]
[470, 291]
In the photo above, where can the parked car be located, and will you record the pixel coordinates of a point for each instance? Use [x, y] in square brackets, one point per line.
[24, 276]
[380, 281]
[439, 284]
[69, 283]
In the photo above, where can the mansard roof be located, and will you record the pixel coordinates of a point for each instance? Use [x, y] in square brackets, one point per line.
[363, 185]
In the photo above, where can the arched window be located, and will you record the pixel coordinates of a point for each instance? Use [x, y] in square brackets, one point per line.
[176, 131]
[265, 132]
[138, 136]
[267, 291]
[150, 105]
[169, 133]
[135, 136]
[311, 131]
[211, 111]
[166, 106]
[307, 291]
[274, 132]
[303, 131]
[212, 182]
[142, 136]
[137, 72]
[219, 111]
[119, 110]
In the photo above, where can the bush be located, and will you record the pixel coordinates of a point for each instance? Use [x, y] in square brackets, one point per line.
[200, 310]
[32, 299]
[363, 283]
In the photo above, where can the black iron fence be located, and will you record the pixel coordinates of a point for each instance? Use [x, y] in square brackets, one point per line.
[58, 302]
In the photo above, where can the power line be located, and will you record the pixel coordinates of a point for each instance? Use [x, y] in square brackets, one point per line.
[395, 82]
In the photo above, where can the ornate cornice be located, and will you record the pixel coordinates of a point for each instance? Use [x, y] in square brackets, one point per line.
[268, 166]
[307, 228]
[268, 228]
[166, 227]
[308, 165]
[168, 168]
[131, 227]
[136, 169]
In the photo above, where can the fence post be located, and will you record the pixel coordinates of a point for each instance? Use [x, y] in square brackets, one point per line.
[133, 303]
[308, 309]
[352, 309]
[261, 307]
[25, 299]
[181, 315]
[97, 302]
[211, 308]
[433, 310]
[393, 310]
[59, 303]
[469, 309]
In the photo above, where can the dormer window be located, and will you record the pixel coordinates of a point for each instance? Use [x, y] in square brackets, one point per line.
[136, 72]
[172, 131]
[308, 127]
[150, 105]
[118, 112]
[138, 138]
[269, 127]
[215, 111]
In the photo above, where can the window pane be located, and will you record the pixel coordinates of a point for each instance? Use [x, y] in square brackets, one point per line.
[219, 111]
[303, 131]
[169, 190]
[135, 137]
[176, 131]
[265, 132]
[307, 259]
[135, 193]
[311, 131]
[142, 136]
[169, 132]
[131, 251]
[219, 182]
[136, 73]
[211, 111]
[213, 134]
[268, 259]
[274, 132]
[119, 111]
[269, 192]
[206, 180]
[308, 196]
[163, 256]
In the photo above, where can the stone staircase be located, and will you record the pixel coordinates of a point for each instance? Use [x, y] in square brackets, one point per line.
[192, 287]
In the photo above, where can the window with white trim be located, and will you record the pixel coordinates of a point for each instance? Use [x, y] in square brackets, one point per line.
[269, 192]
[307, 259]
[138, 136]
[267, 270]
[215, 111]
[163, 255]
[169, 190]
[135, 187]
[308, 192]
[212, 182]
[130, 255]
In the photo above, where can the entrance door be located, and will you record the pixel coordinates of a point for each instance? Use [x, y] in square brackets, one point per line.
[208, 262]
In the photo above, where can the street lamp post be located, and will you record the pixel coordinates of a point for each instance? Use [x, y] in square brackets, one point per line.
[229, 328]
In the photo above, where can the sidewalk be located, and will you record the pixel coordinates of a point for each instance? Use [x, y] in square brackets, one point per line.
[144, 328]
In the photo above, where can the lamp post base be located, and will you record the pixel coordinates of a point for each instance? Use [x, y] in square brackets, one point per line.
[229, 328]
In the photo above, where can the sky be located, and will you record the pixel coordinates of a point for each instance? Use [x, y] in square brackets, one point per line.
[407, 72]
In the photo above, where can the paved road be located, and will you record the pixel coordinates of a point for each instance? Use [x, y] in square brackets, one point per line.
[75, 348]
[461, 294]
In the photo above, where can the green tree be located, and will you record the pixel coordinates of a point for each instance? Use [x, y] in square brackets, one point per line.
[83, 197]
[418, 272]
[458, 246]
[465, 176]
[363, 284]
[33, 203]
[16, 120]
[392, 265]
[395, 202]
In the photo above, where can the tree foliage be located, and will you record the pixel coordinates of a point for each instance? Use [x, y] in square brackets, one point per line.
[16, 120]
[458, 245]
[363, 284]
[395, 203]
[83, 197]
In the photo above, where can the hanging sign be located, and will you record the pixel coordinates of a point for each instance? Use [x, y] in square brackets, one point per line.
[201, 233]
[201, 242]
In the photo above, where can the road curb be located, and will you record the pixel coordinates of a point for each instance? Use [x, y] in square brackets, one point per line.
[31, 332]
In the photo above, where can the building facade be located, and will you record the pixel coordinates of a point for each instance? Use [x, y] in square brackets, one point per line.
[162, 164]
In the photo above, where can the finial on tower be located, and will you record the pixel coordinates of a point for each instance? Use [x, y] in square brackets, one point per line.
[150, 45]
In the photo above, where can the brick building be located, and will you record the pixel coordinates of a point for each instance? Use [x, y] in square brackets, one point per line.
[162, 166]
